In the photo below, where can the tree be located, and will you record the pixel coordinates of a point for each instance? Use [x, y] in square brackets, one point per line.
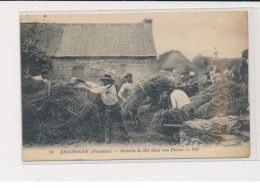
[34, 60]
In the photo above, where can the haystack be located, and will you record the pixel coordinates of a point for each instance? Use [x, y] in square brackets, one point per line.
[174, 60]
[228, 98]
[64, 113]
[201, 65]
[169, 116]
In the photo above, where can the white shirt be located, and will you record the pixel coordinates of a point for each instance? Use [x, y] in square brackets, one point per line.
[108, 94]
[179, 99]
[226, 72]
[125, 89]
[109, 97]
[37, 77]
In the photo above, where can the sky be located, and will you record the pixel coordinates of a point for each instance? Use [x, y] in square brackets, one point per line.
[192, 33]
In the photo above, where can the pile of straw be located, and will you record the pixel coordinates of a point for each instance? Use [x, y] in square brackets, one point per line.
[63, 113]
[225, 98]
[169, 116]
[152, 88]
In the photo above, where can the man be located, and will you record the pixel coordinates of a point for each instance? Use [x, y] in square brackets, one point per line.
[206, 77]
[225, 73]
[125, 92]
[45, 78]
[228, 74]
[181, 79]
[215, 55]
[179, 99]
[192, 78]
[164, 100]
[212, 74]
[174, 76]
[206, 80]
[111, 106]
[243, 68]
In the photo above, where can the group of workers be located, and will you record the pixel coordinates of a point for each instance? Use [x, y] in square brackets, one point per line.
[240, 75]
[111, 102]
[110, 99]
[188, 79]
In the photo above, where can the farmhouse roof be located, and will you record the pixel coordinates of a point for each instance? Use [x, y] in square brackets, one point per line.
[95, 40]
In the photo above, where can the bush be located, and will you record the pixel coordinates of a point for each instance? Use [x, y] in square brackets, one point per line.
[33, 59]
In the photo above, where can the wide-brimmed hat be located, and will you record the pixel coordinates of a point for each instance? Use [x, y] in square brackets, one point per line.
[127, 75]
[107, 78]
[44, 71]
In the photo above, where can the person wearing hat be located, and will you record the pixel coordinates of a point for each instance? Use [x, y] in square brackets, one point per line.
[192, 78]
[45, 79]
[215, 55]
[125, 92]
[112, 108]
[243, 67]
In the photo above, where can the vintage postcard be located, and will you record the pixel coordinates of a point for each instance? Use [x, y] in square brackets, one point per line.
[147, 85]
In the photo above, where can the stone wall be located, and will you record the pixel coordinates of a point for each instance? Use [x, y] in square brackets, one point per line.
[141, 68]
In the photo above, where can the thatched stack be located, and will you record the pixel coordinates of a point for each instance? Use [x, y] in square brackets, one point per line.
[175, 63]
[201, 65]
[173, 60]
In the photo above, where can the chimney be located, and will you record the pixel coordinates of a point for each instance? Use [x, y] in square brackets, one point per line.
[148, 25]
[148, 21]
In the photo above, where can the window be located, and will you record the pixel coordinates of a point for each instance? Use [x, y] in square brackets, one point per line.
[78, 72]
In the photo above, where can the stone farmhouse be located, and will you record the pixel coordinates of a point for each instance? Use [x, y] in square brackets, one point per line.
[77, 49]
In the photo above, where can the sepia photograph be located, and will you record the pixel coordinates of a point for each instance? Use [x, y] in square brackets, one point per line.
[136, 85]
